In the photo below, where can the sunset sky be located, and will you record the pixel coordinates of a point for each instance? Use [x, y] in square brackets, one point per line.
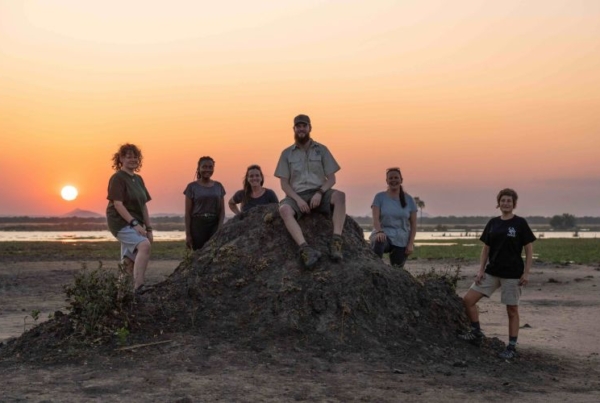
[466, 96]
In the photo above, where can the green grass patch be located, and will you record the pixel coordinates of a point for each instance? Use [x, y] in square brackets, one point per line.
[83, 251]
[555, 250]
[559, 250]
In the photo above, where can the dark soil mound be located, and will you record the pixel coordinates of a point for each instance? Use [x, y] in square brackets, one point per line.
[247, 286]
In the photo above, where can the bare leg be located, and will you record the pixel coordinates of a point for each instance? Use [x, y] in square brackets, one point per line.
[141, 263]
[287, 214]
[513, 320]
[338, 200]
[470, 302]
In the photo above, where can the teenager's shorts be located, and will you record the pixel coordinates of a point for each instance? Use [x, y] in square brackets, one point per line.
[511, 290]
[129, 239]
[324, 206]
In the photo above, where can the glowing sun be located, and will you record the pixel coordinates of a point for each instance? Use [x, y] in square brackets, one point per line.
[69, 193]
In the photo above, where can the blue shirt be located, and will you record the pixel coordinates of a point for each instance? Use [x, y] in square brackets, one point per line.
[394, 219]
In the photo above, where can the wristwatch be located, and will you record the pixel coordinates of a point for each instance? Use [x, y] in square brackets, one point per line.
[133, 223]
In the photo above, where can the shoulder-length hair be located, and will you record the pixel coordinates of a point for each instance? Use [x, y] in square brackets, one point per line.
[123, 151]
[247, 186]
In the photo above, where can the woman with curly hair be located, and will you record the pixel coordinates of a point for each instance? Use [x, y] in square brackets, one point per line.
[204, 205]
[127, 213]
[253, 194]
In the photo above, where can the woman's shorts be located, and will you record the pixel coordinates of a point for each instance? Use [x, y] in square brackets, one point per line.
[129, 239]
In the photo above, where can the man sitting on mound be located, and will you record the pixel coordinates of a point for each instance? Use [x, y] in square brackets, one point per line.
[307, 173]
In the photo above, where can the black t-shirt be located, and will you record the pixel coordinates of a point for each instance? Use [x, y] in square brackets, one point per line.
[266, 198]
[506, 239]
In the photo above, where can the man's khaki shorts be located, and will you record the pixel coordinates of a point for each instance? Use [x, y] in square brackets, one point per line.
[324, 206]
[511, 290]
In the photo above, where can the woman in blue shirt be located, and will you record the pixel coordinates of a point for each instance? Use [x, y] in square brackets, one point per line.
[394, 220]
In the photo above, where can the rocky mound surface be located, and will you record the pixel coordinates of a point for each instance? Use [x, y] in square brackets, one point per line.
[248, 286]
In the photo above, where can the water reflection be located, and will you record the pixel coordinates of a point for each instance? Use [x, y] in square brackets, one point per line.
[96, 236]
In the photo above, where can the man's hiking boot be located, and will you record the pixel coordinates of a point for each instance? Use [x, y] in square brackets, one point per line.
[472, 336]
[309, 256]
[335, 248]
[508, 353]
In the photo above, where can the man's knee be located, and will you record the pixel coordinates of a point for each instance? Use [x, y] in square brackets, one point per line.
[338, 197]
[286, 211]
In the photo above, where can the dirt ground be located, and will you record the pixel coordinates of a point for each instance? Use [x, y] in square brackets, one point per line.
[559, 319]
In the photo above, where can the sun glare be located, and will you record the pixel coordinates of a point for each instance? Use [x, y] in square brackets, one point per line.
[69, 193]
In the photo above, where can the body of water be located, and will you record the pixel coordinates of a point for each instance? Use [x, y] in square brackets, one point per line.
[82, 236]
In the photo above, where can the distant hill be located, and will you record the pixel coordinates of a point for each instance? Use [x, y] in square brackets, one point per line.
[82, 213]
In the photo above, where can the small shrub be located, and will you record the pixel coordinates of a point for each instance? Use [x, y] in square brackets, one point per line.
[35, 315]
[97, 302]
[122, 333]
[450, 275]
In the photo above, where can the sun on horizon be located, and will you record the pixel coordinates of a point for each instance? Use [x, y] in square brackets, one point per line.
[69, 193]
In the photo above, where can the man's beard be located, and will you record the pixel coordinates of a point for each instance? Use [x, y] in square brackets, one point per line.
[302, 140]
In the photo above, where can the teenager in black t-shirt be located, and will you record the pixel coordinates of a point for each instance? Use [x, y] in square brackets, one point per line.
[502, 266]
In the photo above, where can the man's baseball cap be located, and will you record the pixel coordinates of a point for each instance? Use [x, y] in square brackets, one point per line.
[301, 119]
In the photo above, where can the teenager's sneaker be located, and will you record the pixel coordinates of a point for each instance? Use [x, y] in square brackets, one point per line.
[335, 248]
[472, 336]
[309, 256]
[508, 353]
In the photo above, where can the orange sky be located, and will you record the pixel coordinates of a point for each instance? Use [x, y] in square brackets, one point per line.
[466, 97]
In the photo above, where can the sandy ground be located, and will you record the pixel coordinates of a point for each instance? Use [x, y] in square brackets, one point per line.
[560, 316]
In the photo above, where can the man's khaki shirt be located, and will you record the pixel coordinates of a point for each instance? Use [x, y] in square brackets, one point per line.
[306, 170]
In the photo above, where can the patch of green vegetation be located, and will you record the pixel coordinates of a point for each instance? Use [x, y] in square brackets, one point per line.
[122, 333]
[35, 315]
[448, 275]
[97, 300]
[576, 250]
[83, 251]
[551, 250]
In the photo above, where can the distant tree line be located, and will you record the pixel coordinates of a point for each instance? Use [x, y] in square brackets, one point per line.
[175, 223]
[557, 222]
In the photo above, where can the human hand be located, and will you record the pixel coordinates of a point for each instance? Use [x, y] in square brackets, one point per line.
[524, 280]
[479, 276]
[409, 248]
[315, 201]
[188, 241]
[140, 230]
[150, 236]
[303, 206]
[380, 236]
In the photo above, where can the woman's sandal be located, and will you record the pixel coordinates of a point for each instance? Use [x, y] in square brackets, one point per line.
[143, 289]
